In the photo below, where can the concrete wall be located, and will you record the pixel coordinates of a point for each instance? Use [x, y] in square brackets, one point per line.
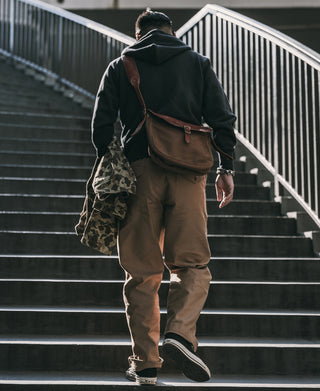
[299, 23]
[132, 4]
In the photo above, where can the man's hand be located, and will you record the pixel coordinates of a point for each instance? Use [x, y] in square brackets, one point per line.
[224, 189]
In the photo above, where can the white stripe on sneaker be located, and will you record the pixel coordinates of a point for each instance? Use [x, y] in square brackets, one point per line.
[133, 376]
[146, 380]
[191, 356]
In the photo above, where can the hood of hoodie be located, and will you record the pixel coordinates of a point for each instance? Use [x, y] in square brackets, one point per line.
[156, 47]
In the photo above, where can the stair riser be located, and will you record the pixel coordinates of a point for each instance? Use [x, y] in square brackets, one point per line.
[43, 146]
[67, 187]
[33, 100]
[216, 225]
[241, 178]
[251, 226]
[260, 246]
[238, 165]
[247, 208]
[108, 268]
[221, 360]
[220, 325]
[62, 268]
[265, 270]
[44, 186]
[45, 222]
[44, 133]
[221, 295]
[45, 159]
[69, 244]
[31, 119]
[35, 204]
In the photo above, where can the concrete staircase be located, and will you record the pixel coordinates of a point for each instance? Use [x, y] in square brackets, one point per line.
[62, 322]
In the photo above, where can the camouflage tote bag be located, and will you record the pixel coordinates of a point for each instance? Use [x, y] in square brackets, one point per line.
[111, 182]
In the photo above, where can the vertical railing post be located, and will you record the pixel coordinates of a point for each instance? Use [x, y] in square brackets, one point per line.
[60, 40]
[12, 26]
[275, 120]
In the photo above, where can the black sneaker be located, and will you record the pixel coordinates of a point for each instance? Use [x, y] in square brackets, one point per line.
[145, 377]
[181, 351]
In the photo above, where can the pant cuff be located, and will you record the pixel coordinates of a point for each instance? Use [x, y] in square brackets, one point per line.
[139, 365]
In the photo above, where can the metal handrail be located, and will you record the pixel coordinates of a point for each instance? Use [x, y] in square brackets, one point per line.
[283, 40]
[65, 46]
[273, 84]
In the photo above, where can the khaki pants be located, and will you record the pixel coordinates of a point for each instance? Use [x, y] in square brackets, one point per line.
[167, 216]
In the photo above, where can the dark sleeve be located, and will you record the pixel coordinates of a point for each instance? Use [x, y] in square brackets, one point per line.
[105, 111]
[218, 114]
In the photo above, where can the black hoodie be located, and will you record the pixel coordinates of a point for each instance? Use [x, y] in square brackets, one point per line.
[175, 81]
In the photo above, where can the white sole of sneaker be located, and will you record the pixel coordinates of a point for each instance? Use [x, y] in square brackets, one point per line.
[191, 365]
[149, 381]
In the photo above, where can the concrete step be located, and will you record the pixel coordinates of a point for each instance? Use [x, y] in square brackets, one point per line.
[72, 121]
[243, 192]
[34, 90]
[38, 104]
[41, 108]
[28, 94]
[37, 91]
[46, 171]
[18, 81]
[67, 243]
[47, 158]
[38, 145]
[107, 267]
[13, 157]
[66, 203]
[49, 96]
[100, 293]
[223, 356]
[77, 187]
[64, 222]
[25, 86]
[74, 172]
[44, 132]
[105, 381]
[68, 321]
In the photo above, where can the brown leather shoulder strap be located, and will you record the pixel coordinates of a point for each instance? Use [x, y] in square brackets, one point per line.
[132, 72]
[181, 124]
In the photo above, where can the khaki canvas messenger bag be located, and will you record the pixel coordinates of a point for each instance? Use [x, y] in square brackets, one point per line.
[175, 145]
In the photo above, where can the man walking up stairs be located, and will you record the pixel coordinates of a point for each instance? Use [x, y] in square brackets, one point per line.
[62, 321]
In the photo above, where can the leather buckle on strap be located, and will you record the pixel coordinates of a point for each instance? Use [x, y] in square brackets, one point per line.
[187, 133]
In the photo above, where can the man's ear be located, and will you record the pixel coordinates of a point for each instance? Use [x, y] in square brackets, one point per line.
[138, 36]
